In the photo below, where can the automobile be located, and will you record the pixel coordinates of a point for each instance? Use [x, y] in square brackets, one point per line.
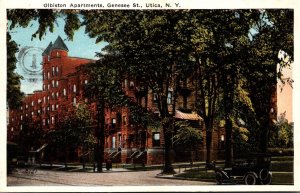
[255, 169]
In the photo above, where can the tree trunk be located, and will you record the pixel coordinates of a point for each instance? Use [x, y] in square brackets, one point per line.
[208, 145]
[228, 143]
[100, 136]
[228, 110]
[168, 169]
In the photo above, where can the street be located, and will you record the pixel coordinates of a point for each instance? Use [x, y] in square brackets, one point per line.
[112, 178]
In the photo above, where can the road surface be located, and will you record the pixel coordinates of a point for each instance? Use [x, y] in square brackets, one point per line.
[114, 178]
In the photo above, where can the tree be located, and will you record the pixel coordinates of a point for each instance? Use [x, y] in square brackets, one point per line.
[187, 137]
[274, 32]
[104, 88]
[148, 51]
[14, 94]
[281, 135]
[74, 130]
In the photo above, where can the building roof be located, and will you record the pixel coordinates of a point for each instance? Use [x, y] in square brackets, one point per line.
[47, 50]
[187, 116]
[59, 44]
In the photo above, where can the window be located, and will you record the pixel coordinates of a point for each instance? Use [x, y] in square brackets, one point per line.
[52, 107]
[74, 88]
[53, 70]
[124, 120]
[169, 98]
[57, 70]
[48, 87]
[156, 140]
[113, 123]
[85, 81]
[52, 120]
[53, 95]
[32, 103]
[74, 101]
[155, 98]
[44, 122]
[57, 54]
[65, 92]
[57, 106]
[53, 83]
[48, 75]
[222, 142]
[131, 84]
[44, 99]
[21, 117]
[125, 83]
[113, 141]
[57, 95]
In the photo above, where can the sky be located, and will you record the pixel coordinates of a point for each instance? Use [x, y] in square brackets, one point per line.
[81, 46]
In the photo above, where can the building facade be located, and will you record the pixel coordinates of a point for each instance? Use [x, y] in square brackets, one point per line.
[63, 87]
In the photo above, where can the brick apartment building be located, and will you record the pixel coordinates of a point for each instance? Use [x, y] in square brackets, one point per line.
[63, 83]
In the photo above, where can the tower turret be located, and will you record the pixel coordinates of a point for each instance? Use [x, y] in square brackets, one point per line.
[59, 49]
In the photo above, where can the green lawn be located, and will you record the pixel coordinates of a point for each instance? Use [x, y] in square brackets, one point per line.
[283, 178]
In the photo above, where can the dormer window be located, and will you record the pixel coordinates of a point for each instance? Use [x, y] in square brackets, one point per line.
[57, 54]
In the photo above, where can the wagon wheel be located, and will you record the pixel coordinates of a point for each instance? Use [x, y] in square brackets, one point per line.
[219, 178]
[265, 177]
[250, 179]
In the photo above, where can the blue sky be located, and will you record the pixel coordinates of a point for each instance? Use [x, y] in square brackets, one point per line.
[81, 46]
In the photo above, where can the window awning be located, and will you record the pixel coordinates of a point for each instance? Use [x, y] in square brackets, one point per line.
[187, 116]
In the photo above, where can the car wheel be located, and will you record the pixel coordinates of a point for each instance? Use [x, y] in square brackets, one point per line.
[219, 178]
[250, 179]
[263, 174]
[267, 180]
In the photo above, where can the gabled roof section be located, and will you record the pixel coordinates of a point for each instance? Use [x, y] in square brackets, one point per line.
[47, 50]
[59, 44]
